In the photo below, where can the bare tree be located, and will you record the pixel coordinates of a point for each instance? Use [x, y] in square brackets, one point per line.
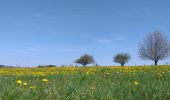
[121, 58]
[155, 47]
[85, 59]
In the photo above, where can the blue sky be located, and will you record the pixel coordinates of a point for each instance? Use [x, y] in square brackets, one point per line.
[38, 32]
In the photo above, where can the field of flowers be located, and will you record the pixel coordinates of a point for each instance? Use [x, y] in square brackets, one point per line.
[90, 83]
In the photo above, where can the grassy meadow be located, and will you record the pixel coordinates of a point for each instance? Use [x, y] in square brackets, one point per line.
[90, 83]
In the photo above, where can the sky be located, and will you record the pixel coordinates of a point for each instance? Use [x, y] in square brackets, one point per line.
[41, 32]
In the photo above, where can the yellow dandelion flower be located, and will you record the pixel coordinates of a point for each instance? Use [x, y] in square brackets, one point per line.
[45, 80]
[24, 83]
[136, 83]
[32, 87]
[19, 82]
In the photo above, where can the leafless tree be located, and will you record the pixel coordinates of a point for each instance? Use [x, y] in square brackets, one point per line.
[155, 47]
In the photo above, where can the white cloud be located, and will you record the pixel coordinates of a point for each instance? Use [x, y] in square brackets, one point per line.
[104, 41]
[109, 40]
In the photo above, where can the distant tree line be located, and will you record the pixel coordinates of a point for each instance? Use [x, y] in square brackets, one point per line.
[46, 66]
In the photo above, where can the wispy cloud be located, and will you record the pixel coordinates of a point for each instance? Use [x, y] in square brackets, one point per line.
[109, 40]
[104, 41]
[43, 49]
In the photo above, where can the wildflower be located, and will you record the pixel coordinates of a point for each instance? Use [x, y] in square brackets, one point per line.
[88, 73]
[136, 83]
[93, 88]
[25, 84]
[19, 82]
[45, 80]
[160, 75]
[32, 87]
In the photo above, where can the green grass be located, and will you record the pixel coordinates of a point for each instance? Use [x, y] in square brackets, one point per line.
[105, 84]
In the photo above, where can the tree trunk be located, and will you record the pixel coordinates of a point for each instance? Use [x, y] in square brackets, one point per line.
[84, 64]
[156, 63]
[122, 64]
